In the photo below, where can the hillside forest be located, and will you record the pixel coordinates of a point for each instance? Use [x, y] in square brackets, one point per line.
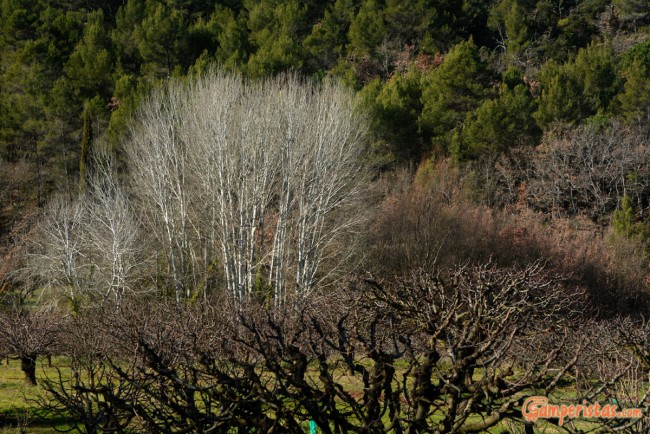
[374, 216]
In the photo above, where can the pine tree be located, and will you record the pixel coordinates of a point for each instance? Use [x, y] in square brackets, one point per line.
[497, 125]
[579, 88]
[91, 64]
[325, 45]
[367, 30]
[508, 19]
[162, 40]
[452, 90]
[394, 107]
[635, 99]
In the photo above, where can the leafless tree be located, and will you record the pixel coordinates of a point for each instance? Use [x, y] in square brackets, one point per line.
[58, 254]
[587, 170]
[90, 246]
[158, 159]
[91, 391]
[116, 246]
[28, 334]
[623, 371]
[264, 178]
[612, 370]
[480, 348]
[457, 351]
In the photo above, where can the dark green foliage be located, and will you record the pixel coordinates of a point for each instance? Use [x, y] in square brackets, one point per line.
[639, 52]
[367, 30]
[394, 108]
[325, 45]
[428, 70]
[161, 39]
[411, 22]
[634, 99]
[122, 106]
[127, 19]
[579, 88]
[275, 33]
[86, 143]
[497, 125]
[91, 63]
[627, 224]
[451, 91]
[625, 217]
[509, 21]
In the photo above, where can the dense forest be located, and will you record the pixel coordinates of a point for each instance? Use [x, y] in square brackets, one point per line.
[297, 188]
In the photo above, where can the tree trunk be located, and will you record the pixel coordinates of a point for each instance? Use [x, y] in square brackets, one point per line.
[28, 366]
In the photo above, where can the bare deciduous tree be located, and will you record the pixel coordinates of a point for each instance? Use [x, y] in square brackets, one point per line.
[116, 245]
[587, 170]
[456, 352]
[58, 254]
[264, 178]
[28, 334]
[158, 159]
[90, 246]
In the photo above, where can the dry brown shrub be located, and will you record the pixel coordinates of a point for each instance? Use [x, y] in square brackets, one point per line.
[427, 221]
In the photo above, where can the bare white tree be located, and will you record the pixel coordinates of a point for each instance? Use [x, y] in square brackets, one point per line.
[58, 252]
[326, 183]
[158, 168]
[90, 247]
[263, 178]
[233, 168]
[115, 240]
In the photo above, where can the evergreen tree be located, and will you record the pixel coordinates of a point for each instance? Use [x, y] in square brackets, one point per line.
[127, 20]
[275, 31]
[452, 90]
[625, 217]
[86, 143]
[508, 19]
[498, 124]
[411, 22]
[234, 47]
[225, 38]
[595, 68]
[367, 30]
[91, 65]
[161, 39]
[325, 45]
[394, 108]
[579, 88]
[634, 100]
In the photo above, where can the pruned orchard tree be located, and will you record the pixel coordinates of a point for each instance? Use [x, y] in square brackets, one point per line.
[29, 334]
[261, 178]
[453, 352]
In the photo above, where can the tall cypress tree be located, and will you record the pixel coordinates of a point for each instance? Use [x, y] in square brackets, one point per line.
[86, 143]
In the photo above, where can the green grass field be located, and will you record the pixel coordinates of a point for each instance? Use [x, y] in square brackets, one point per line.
[18, 410]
